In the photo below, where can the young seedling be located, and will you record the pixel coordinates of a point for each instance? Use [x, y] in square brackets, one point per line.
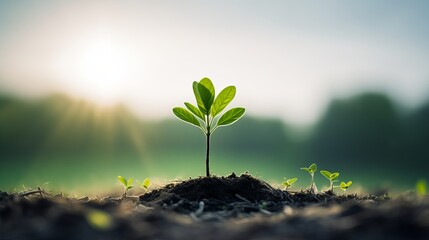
[421, 188]
[311, 170]
[288, 182]
[127, 184]
[344, 186]
[331, 177]
[145, 184]
[206, 115]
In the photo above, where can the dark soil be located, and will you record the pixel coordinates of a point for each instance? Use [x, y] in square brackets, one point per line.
[214, 208]
[232, 195]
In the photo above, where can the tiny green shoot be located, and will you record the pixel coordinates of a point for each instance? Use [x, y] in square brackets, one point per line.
[311, 170]
[289, 182]
[205, 115]
[421, 188]
[344, 186]
[145, 184]
[126, 184]
[331, 177]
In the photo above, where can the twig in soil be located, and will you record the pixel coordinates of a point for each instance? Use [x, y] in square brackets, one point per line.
[242, 198]
[200, 208]
[265, 211]
[199, 211]
[31, 192]
[173, 206]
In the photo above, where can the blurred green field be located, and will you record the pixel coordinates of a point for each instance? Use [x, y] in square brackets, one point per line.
[78, 148]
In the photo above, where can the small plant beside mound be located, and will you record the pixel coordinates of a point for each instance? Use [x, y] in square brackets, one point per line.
[126, 184]
[331, 177]
[311, 170]
[344, 186]
[289, 182]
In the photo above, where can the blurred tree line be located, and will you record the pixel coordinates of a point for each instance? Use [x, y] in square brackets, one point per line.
[368, 133]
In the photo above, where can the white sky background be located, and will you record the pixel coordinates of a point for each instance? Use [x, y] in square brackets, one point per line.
[287, 59]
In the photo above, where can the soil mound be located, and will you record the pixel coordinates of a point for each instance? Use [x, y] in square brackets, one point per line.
[232, 196]
[217, 193]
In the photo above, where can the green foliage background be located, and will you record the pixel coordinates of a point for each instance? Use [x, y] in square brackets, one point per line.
[77, 147]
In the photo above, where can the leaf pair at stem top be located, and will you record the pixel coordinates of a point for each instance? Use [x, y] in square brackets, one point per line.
[206, 114]
[209, 107]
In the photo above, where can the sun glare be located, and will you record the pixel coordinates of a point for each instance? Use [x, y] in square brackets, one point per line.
[97, 68]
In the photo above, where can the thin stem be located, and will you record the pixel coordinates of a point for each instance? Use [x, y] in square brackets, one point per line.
[208, 146]
[313, 186]
[207, 155]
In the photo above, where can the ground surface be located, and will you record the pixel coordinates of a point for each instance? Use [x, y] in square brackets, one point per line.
[214, 208]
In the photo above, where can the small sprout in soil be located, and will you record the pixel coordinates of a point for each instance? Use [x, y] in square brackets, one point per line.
[344, 186]
[288, 182]
[311, 170]
[145, 184]
[331, 177]
[205, 115]
[127, 184]
[421, 188]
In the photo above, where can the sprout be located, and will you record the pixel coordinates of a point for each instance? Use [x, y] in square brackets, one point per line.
[145, 184]
[331, 177]
[127, 184]
[206, 115]
[421, 188]
[288, 182]
[344, 186]
[311, 170]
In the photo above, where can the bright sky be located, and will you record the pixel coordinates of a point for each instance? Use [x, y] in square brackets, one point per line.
[287, 58]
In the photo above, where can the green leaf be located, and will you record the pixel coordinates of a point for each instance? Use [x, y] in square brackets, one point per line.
[122, 180]
[200, 103]
[194, 110]
[313, 167]
[130, 182]
[325, 173]
[206, 97]
[291, 181]
[231, 116]
[334, 176]
[206, 82]
[222, 100]
[146, 183]
[305, 169]
[286, 184]
[186, 116]
[344, 185]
